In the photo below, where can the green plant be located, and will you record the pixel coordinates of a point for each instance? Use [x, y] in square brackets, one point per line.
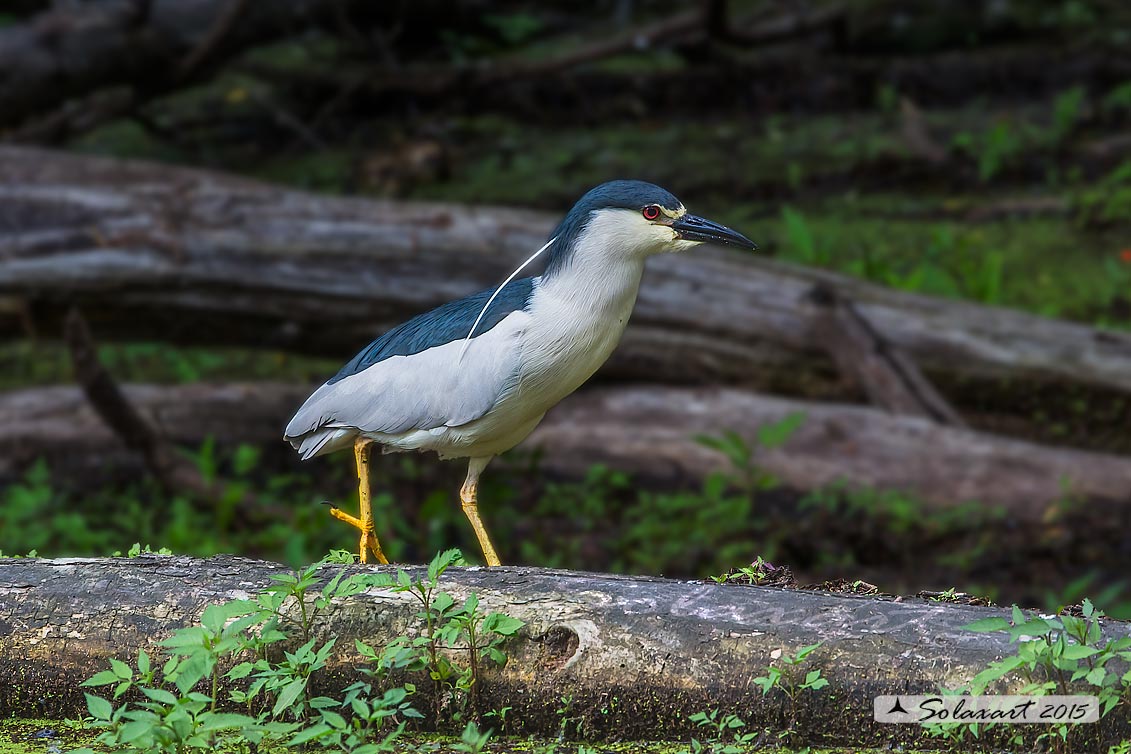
[564, 717]
[1108, 202]
[500, 715]
[991, 149]
[725, 731]
[1055, 655]
[755, 573]
[472, 740]
[136, 550]
[802, 244]
[448, 626]
[1067, 109]
[784, 674]
[949, 595]
[176, 716]
[1118, 98]
[769, 436]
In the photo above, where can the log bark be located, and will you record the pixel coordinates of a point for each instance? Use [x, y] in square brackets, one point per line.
[151, 251]
[636, 654]
[646, 430]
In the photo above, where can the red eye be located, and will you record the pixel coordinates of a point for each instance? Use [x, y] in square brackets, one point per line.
[651, 212]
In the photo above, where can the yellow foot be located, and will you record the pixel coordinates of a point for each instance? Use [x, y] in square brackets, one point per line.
[368, 541]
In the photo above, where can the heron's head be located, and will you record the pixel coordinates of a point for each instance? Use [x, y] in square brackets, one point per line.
[635, 219]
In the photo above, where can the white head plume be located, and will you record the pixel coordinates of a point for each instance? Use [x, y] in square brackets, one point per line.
[520, 268]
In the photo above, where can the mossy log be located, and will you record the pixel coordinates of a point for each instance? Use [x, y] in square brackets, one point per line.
[187, 256]
[634, 655]
[647, 430]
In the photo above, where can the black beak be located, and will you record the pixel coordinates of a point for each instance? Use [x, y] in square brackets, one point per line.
[692, 228]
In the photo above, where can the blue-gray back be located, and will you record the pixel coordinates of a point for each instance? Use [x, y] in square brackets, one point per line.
[446, 323]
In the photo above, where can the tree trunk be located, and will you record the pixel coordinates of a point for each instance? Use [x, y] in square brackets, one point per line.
[154, 252]
[647, 430]
[634, 655]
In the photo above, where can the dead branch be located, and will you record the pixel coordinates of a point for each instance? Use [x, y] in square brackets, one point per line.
[174, 472]
[888, 377]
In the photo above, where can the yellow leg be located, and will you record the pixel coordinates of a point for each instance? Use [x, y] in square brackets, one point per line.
[468, 495]
[364, 521]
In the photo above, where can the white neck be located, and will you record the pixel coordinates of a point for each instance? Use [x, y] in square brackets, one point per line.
[577, 316]
[603, 270]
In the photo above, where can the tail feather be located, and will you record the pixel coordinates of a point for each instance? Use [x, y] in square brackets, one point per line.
[308, 431]
[322, 441]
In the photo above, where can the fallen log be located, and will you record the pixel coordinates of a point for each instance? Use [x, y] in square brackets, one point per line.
[636, 655]
[648, 431]
[154, 252]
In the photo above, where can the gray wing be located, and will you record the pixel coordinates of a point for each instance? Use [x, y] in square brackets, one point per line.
[425, 390]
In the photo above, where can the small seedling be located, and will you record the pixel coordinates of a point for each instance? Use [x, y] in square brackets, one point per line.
[785, 675]
[726, 733]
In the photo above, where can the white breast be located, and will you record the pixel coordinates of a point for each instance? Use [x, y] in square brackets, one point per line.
[571, 332]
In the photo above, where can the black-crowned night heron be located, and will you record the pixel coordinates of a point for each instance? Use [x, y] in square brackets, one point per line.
[473, 378]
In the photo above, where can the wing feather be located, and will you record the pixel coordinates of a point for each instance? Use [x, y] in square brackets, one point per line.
[425, 390]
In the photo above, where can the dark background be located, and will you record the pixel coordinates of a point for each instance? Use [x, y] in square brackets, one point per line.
[978, 151]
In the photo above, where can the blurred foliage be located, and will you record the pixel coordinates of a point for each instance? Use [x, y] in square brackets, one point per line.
[24, 363]
[604, 522]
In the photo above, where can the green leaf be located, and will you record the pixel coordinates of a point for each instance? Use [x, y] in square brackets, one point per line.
[1031, 627]
[503, 625]
[776, 434]
[223, 720]
[1096, 676]
[190, 636]
[121, 669]
[189, 673]
[101, 678]
[1078, 652]
[100, 709]
[985, 625]
[159, 695]
[288, 696]
[360, 707]
[806, 651]
[142, 661]
[333, 719]
[309, 734]
[132, 731]
[243, 670]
